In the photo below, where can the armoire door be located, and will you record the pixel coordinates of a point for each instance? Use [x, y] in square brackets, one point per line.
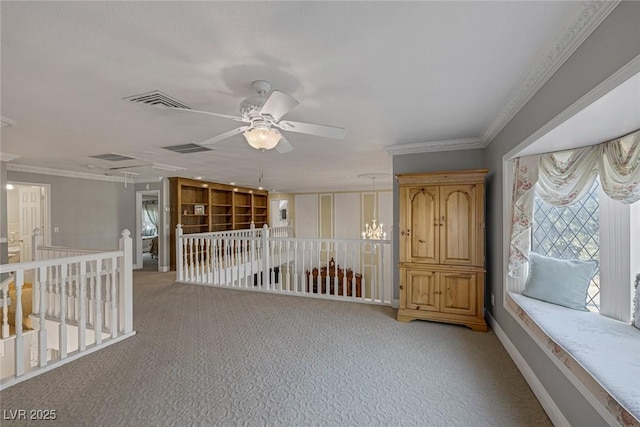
[421, 290]
[458, 292]
[419, 231]
[457, 224]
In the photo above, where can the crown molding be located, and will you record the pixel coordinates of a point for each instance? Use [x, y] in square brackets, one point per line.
[7, 157]
[434, 146]
[549, 61]
[59, 172]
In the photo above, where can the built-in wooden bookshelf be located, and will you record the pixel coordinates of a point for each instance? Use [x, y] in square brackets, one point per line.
[201, 207]
[260, 204]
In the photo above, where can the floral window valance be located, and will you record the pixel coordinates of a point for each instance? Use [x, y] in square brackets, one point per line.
[563, 178]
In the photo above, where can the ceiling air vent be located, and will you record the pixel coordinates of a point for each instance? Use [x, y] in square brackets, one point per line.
[157, 99]
[186, 148]
[113, 157]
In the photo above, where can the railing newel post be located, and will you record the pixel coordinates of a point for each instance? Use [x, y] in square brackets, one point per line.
[179, 266]
[37, 240]
[126, 283]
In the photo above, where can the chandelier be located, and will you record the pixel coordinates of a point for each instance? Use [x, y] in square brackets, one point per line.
[374, 231]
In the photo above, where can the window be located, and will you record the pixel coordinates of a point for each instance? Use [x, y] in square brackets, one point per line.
[571, 233]
[596, 228]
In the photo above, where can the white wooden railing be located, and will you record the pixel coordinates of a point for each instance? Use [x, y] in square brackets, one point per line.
[80, 303]
[42, 252]
[246, 259]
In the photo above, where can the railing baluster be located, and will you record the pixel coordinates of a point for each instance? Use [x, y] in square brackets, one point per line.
[236, 262]
[295, 263]
[245, 267]
[353, 282]
[42, 327]
[50, 289]
[92, 290]
[19, 340]
[71, 292]
[198, 255]
[114, 298]
[308, 286]
[5, 312]
[82, 326]
[98, 322]
[345, 281]
[56, 291]
[62, 327]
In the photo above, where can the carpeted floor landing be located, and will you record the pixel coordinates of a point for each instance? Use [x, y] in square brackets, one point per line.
[206, 356]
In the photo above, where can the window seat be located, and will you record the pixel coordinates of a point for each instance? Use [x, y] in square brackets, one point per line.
[602, 353]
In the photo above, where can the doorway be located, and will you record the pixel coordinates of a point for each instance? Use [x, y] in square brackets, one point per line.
[28, 208]
[147, 227]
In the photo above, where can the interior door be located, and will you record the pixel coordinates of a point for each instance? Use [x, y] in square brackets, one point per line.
[457, 224]
[30, 219]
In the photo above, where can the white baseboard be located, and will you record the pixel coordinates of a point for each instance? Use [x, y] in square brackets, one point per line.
[395, 303]
[549, 406]
[164, 268]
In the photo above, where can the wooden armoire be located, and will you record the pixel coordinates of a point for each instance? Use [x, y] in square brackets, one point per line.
[442, 247]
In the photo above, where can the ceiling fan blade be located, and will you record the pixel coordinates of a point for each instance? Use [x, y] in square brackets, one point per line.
[283, 146]
[312, 129]
[278, 104]
[225, 135]
[224, 116]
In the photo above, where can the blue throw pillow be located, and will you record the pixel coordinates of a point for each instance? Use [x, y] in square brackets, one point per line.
[559, 281]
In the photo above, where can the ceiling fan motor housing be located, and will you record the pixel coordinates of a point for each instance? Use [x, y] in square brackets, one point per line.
[253, 104]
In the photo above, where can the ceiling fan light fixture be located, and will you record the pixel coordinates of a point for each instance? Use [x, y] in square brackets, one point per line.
[262, 138]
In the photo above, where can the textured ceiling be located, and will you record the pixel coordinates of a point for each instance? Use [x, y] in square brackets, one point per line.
[391, 73]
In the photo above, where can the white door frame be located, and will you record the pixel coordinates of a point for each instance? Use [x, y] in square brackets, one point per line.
[46, 233]
[138, 237]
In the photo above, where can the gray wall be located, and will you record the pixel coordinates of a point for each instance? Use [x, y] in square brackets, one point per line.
[425, 162]
[13, 206]
[89, 213]
[4, 232]
[612, 45]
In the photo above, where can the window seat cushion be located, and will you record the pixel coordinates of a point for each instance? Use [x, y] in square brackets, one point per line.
[603, 353]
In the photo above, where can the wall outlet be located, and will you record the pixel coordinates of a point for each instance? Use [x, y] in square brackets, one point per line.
[56, 229]
[493, 300]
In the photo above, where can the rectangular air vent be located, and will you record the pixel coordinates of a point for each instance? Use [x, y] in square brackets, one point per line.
[157, 99]
[113, 157]
[186, 148]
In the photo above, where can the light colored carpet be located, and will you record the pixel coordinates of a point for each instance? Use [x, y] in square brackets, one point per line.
[206, 356]
[149, 263]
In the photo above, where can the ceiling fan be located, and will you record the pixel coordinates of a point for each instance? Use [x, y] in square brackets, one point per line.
[263, 116]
